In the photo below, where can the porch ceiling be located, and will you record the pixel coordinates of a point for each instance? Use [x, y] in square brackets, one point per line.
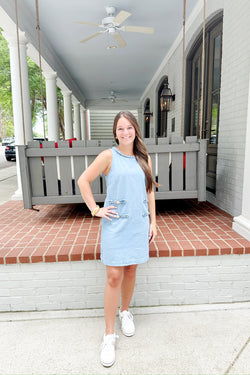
[96, 70]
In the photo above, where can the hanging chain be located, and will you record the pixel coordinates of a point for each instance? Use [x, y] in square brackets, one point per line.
[202, 69]
[40, 64]
[20, 73]
[183, 67]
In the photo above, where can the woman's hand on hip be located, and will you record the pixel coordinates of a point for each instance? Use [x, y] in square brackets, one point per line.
[107, 212]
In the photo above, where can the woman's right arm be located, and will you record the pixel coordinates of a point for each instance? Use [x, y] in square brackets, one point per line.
[102, 163]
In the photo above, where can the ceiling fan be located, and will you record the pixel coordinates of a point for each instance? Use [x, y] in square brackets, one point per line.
[111, 25]
[113, 98]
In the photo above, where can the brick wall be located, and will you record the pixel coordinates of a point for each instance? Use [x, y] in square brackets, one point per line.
[161, 281]
[233, 99]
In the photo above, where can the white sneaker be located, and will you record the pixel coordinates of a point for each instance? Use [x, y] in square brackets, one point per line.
[128, 327]
[108, 350]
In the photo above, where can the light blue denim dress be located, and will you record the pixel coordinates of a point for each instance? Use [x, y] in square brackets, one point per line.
[124, 240]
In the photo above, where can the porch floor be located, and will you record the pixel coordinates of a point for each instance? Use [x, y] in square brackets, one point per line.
[58, 233]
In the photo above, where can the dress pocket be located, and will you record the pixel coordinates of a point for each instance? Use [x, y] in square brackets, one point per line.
[121, 208]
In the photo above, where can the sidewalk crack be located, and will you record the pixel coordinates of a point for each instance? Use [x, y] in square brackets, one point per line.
[6, 178]
[237, 356]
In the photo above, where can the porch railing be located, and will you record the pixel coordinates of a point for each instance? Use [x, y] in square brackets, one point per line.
[49, 174]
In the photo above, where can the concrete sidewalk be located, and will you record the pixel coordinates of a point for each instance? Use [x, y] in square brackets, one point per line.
[201, 339]
[8, 183]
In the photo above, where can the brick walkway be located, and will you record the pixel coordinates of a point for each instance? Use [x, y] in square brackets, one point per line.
[68, 233]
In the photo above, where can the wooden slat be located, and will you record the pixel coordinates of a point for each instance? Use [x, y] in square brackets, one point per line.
[176, 194]
[65, 171]
[36, 173]
[95, 150]
[61, 199]
[163, 166]
[163, 141]
[191, 167]
[96, 184]
[163, 171]
[201, 170]
[25, 177]
[50, 169]
[79, 164]
[153, 159]
[92, 143]
[107, 143]
[149, 141]
[177, 167]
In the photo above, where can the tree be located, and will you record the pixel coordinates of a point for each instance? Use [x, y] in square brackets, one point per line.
[37, 106]
[6, 117]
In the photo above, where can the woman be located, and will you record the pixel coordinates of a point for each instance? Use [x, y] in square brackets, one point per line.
[126, 230]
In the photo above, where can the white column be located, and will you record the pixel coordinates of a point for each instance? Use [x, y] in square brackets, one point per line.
[83, 123]
[68, 114]
[16, 88]
[88, 130]
[77, 123]
[52, 108]
[241, 224]
[21, 104]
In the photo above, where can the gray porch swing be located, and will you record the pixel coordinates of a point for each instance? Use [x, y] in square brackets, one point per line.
[49, 174]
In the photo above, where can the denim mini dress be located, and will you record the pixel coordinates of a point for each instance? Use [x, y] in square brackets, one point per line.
[124, 240]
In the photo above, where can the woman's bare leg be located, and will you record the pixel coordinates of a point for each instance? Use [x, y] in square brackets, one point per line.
[128, 285]
[112, 296]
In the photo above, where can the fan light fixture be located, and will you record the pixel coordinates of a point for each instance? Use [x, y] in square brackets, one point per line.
[112, 25]
[113, 98]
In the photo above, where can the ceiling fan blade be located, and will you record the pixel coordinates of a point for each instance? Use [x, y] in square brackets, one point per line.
[88, 23]
[119, 40]
[91, 36]
[138, 29]
[121, 17]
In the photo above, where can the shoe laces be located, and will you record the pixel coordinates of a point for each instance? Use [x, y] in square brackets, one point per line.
[109, 340]
[126, 314]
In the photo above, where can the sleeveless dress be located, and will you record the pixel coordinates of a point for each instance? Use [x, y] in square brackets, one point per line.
[124, 240]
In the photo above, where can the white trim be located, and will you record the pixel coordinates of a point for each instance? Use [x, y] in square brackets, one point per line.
[241, 223]
[242, 226]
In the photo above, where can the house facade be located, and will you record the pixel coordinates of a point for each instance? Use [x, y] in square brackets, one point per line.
[226, 110]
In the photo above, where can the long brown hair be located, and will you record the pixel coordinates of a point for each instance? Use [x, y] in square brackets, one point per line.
[139, 148]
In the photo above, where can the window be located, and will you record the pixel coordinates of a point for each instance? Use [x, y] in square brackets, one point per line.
[162, 120]
[211, 101]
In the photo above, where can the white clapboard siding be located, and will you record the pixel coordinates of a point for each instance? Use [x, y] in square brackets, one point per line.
[101, 123]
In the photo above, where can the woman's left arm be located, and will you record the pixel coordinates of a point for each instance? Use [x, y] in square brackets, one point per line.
[151, 208]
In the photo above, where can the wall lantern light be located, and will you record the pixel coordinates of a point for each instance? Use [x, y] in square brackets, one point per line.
[147, 114]
[166, 98]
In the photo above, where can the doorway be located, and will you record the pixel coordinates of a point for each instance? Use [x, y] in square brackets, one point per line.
[211, 102]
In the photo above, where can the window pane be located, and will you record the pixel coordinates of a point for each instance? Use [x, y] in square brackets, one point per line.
[196, 119]
[200, 82]
[214, 119]
[216, 63]
[196, 77]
